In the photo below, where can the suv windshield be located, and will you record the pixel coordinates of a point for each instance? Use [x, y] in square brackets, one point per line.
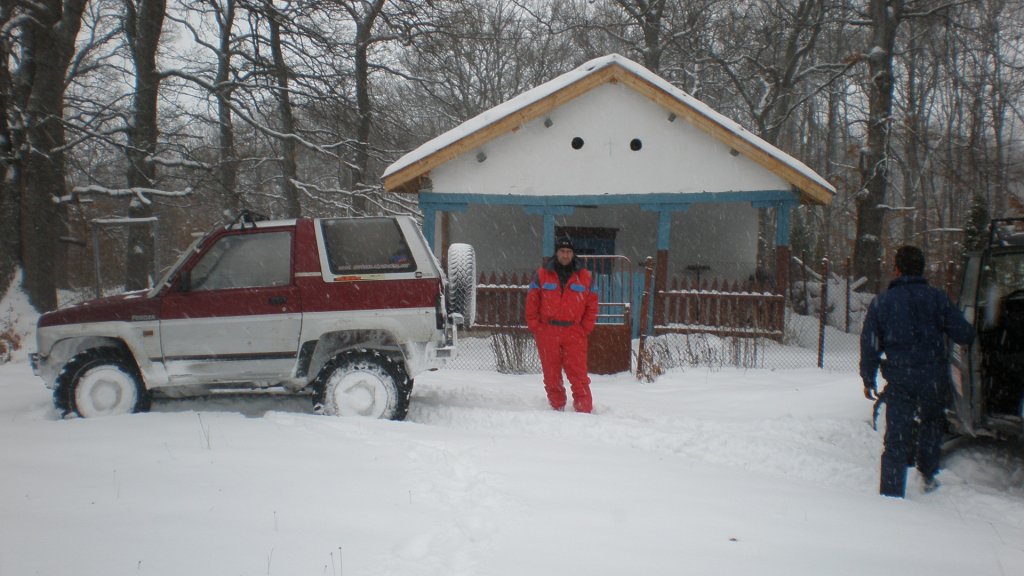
[1001, 274]
[366, 245]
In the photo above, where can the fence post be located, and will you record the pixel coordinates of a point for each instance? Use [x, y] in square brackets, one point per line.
[807, 297]
[824, 313]
[950, 279]
[848, 272]
[96, 259]
[645, 303]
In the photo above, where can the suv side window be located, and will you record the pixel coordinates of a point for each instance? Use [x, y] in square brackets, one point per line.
[366, 245]
[252, 260]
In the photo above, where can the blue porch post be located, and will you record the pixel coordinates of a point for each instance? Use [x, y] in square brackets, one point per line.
[665, 212]
[430, 204]
[549, 213]
[783, 208]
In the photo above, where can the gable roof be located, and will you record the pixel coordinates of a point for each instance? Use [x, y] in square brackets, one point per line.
[409, 171]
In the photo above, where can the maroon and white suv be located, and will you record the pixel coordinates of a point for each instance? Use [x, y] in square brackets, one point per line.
[346, 309]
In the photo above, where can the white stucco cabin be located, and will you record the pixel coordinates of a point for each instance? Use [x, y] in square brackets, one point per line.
[619, 159]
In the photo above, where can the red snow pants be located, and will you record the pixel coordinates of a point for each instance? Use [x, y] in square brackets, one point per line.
[565, 348]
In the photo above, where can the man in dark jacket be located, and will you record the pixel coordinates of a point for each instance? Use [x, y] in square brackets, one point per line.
[909, 323]
[561, 310]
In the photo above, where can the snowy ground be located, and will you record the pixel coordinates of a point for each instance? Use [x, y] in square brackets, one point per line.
[724, 471]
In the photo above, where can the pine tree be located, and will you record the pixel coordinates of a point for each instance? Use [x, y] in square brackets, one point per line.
[976, 229]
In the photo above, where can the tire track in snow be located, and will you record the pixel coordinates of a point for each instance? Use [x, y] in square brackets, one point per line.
[465, 501]
[824, 451]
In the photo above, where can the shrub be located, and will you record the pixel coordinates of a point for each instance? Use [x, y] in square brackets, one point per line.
[9, 339]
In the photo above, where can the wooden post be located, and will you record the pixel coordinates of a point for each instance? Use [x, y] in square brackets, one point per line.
[781, 269]
[645, 303]
[660, 284]
[446, 238]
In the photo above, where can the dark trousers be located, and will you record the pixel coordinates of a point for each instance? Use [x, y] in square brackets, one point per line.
[913, 402]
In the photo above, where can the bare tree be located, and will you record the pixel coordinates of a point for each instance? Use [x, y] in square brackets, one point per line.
[143, 25]
[9, 194]
[40, 37]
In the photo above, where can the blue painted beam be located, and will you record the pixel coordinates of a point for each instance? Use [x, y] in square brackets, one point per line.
[651, 201]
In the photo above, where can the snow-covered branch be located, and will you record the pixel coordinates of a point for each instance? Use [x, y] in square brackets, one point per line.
[138, 192]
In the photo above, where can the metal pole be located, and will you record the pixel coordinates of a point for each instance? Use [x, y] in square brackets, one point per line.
[824, 314]
[807, 297]
[848, 294]
[156, 253]
[96, 259]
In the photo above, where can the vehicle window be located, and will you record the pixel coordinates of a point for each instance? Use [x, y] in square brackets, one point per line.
[245, 261]
[366, 245]
[1001, 274]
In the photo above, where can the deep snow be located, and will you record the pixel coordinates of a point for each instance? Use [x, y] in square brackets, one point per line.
[725, 472]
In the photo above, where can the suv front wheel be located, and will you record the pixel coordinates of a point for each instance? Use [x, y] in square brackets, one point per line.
[363, 383]
[100, 382]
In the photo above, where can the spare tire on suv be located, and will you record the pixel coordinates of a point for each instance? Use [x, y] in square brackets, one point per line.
[462, 281]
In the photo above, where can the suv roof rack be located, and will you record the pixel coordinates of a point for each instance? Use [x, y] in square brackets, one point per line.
[247, 217]
[1006, 232]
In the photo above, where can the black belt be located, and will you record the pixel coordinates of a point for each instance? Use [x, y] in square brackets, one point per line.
[560, 323]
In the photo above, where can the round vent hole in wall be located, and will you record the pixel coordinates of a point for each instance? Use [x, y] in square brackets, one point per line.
[635, 144]
[577, 143]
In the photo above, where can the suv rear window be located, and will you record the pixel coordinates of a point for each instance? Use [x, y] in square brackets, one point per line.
[366, 245]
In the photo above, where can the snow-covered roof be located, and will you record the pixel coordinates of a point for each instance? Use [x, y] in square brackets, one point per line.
[408, 172]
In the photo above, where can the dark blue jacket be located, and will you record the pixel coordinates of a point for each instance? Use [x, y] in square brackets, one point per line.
[909, 323]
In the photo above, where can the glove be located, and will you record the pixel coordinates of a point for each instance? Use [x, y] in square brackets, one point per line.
[870, 391]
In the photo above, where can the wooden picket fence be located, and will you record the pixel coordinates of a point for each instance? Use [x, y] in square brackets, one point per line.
[736, 309]
[724, 309]
[501, 301]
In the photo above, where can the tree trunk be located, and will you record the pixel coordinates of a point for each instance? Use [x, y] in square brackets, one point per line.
[228, 166]
[49, 45]
[364, 110]
[915, 130]
[874, 167]
[9, 169]
[289, 164]
[648, 15]
[144, 22]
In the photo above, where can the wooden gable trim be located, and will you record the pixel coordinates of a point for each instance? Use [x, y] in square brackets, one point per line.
[811, 189]
[408, 179]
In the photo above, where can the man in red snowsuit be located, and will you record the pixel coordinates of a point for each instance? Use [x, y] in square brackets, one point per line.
[561, 310]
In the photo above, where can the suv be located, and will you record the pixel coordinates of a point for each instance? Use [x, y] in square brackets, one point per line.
[348, 310]
[988, 376]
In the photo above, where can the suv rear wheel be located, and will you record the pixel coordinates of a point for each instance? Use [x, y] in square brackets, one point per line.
[100, 382]
[363, 383]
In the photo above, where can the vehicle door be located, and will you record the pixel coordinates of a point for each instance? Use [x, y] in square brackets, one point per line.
[965, 369]
[234, 315]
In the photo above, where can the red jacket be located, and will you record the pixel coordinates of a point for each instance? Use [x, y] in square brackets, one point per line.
[547, 301]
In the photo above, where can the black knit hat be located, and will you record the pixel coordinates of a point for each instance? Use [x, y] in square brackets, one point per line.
[563, 242]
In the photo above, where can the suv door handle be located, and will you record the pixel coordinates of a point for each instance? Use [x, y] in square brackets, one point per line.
[278, 300]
